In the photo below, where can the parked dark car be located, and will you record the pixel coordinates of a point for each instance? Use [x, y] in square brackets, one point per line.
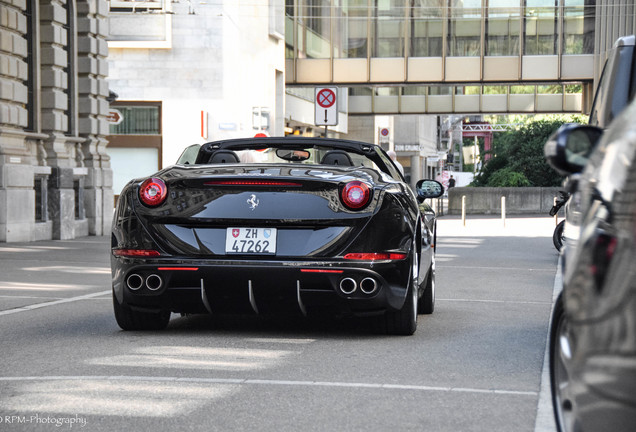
[616, 89]
[272, 226]
[593, 329]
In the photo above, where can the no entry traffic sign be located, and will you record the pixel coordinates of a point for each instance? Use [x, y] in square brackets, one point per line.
[326, 107]
[326, 98]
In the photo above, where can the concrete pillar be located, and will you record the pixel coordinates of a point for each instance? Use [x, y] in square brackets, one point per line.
[416, 170]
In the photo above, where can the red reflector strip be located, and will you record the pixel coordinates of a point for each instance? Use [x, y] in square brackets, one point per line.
[249, 183]
[179, 268]
[369, 256]
[136, 252]
[320, 271]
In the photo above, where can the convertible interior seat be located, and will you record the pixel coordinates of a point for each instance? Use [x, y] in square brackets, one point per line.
[224, 156]
[336, 157]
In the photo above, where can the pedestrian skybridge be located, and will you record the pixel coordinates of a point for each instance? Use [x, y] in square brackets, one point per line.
[443, 57]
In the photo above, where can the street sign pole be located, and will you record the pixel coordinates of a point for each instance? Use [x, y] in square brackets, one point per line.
[326, 107]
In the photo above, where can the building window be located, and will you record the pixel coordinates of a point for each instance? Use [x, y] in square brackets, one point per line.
[540, 27]
[134, 145]
[78, 191]
[137, 120]
[578, 26]
[314, 37]
[351, 33]
[502, 28]
[426, 28]
[79, 198]
[135, 5]
[389, 28]
[40, 186]
[260, 118]
[464, 31]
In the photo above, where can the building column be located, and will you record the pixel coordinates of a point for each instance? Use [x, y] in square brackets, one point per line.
[93, 110]
[17, 147]
[416, 170]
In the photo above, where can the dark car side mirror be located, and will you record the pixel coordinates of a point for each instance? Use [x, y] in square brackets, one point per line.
[568, 149]
[428, 189]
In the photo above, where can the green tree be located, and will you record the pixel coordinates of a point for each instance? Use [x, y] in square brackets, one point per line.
[518, 154]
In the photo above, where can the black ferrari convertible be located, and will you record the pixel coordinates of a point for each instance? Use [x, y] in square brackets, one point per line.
[271, 226]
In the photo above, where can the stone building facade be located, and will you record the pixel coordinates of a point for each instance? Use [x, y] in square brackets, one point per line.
[55, 176]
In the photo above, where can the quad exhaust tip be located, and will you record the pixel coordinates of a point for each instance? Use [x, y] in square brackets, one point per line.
[368, 285]
[348, 286]
[134, 282]
[154, 282]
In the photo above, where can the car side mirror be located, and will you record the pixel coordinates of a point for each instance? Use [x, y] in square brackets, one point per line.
[428, 189]
[568, 149]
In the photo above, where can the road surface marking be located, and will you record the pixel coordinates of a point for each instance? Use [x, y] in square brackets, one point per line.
[251, 381]
[53, 303]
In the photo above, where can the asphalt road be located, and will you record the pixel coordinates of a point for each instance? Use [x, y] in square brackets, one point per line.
[476, 364]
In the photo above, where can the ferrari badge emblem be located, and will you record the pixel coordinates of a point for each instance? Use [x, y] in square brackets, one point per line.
[253, 202]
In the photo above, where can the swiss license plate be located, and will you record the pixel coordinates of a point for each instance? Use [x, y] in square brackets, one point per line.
[250, 241]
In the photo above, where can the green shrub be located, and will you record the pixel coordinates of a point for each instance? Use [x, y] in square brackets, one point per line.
[506, 177]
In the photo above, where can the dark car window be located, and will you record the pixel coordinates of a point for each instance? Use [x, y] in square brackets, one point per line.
[615, 89]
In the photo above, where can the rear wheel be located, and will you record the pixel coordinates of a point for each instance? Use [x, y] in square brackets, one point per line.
[404, 321]
[560, 382]
[129, 319]
[426, 303]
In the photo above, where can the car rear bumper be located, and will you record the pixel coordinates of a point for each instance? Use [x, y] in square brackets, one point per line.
[261, 287]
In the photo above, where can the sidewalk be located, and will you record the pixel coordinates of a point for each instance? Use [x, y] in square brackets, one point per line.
[494, 226]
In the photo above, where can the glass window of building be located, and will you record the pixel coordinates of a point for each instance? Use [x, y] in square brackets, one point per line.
[387, 91]
[465, 29]
[578, 26]
[414, 91]
[467, 90]
[502, 28]
[314, 39]
[360, 91]
[440, 90]
[522, 89]
[137, 120]
[426, 30]
[388, 28]
[540, 26]
[351, 32]
[495, 90]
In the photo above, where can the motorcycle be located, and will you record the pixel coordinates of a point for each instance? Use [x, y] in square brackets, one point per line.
[558, 236]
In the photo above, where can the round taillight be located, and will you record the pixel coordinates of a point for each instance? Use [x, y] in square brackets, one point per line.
[356, 194]
[153, 192]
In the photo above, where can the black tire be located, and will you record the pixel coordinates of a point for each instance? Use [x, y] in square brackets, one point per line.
[404, 321]
[426, 303]
[131, 320]
[557, 236]
[559, 380]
